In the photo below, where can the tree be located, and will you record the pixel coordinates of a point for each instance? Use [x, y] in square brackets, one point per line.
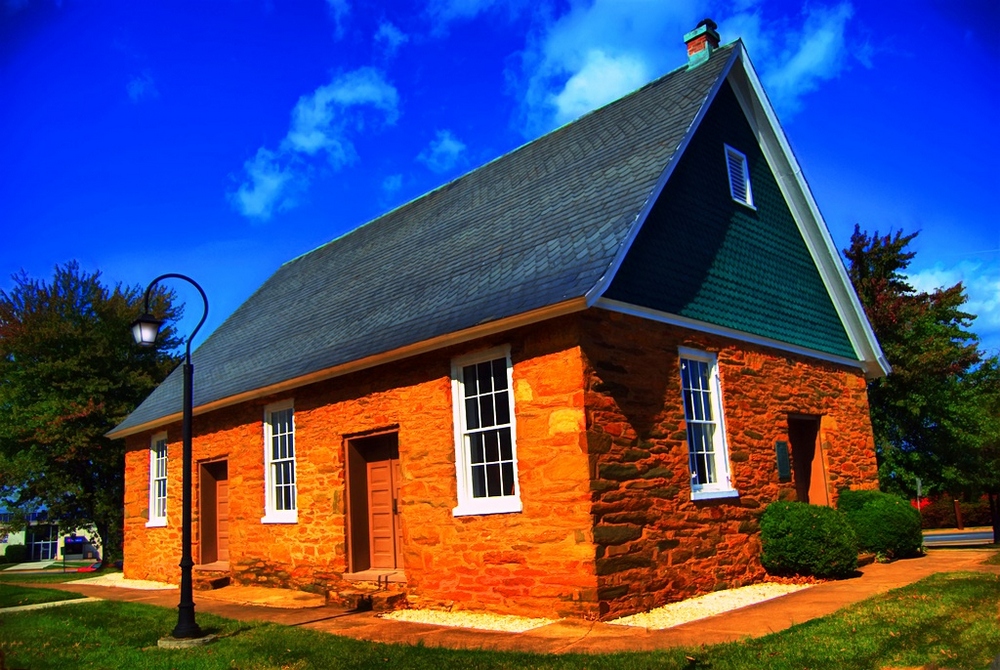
[69, 373]
[935, 415]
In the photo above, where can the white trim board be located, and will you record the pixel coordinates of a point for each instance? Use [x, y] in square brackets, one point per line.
[723, 331]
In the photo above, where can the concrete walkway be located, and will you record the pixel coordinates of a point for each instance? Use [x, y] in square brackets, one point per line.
[570, 635]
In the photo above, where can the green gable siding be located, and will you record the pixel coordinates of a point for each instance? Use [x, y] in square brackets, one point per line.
[704, 256]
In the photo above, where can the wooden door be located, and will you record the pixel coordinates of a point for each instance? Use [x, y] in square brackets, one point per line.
[222, 518]
[383, 523]
[808, 466]
[214, 512]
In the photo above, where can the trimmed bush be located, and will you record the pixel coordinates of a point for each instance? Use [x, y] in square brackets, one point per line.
[884, 524]
[803, 539]
[851, 501]
[16, 553]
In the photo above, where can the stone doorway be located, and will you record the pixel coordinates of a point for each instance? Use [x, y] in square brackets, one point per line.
[214, 507]
[808, 463]
[375, 540]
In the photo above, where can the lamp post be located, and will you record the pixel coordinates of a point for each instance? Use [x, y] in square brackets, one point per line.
[145, 330]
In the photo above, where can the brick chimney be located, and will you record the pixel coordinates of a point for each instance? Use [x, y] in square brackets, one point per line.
[701, 42]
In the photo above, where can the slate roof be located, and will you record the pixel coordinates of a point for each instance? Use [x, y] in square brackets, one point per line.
[533, 228]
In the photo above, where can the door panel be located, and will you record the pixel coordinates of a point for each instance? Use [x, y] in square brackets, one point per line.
[222, 518]
[381, 515]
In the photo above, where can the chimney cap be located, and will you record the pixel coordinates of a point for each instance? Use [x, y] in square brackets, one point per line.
[712, 25]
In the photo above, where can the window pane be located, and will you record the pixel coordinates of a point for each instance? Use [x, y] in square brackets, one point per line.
[493, 480]
[478, 481]
[506, 449]
[469, 380]
[492, 442]
[471, 413]
[476, 452]
[503, 408]
[499, 374]
[486, 410]
[508, 478]
[485, 376]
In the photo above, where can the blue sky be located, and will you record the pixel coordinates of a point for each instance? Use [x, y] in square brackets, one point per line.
[222, 138]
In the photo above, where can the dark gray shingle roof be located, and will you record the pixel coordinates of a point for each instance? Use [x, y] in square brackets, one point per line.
[530, 229]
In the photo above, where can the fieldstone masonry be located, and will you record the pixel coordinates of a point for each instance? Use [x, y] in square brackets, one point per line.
[607, 526]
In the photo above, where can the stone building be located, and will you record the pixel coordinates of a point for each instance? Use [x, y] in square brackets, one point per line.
[566, 383]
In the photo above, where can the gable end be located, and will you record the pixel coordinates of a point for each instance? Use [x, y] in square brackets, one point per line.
[704, 255]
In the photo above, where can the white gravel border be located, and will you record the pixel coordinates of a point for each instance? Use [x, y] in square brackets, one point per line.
[706, 606]
[506, 623]
[117, 580]
[667, 616]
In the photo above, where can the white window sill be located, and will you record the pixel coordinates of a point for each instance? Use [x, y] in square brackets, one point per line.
[712, 495]
[156, 523]
[479, 507]
[280, 517]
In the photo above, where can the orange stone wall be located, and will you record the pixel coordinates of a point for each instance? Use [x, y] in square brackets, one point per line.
[540, 561]
[654, 544]
[607, 528]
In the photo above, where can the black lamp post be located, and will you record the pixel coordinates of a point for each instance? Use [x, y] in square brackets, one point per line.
[145, 330]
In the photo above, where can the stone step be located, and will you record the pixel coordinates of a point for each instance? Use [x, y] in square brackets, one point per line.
[367, 599]
[209, 581]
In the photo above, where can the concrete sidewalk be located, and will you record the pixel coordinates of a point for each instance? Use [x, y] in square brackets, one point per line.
[570, 635]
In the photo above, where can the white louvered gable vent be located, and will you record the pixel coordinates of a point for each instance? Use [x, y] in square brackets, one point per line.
[739, 177]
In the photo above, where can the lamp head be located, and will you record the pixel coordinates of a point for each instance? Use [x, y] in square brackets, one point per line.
[145, 329]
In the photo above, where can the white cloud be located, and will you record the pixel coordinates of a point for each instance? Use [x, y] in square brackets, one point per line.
[321, 123]
[365, 86]
[442, 13]
[442, 153]
[392, 184]
[390, 38]
[266, 187]
[600, 80]
[815, 54]
[141, 87]
[339, 9]
[981, 280]
[597, 51]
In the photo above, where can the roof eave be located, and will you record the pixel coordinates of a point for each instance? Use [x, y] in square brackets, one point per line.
[563, 308]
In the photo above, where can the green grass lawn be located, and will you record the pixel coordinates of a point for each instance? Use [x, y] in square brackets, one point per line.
[994, 559]
[15, 596]
[946, 619]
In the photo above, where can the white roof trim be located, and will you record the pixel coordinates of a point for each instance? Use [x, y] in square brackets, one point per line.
[805, 211]
[731, 333]
[595, 293]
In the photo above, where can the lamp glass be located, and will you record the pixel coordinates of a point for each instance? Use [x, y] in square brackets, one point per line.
[145, 329]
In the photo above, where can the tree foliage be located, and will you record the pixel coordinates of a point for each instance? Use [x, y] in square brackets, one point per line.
[70, 372]
[936, 415]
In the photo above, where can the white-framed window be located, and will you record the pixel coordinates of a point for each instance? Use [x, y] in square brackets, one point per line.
[158, 480]
[739, 177]
[485, 435]
[708, 456]
[279, 464]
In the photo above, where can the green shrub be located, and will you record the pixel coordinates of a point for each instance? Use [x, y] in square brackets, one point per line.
[16, 553]
[884, 524]
[803, 539]
[850, 501]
